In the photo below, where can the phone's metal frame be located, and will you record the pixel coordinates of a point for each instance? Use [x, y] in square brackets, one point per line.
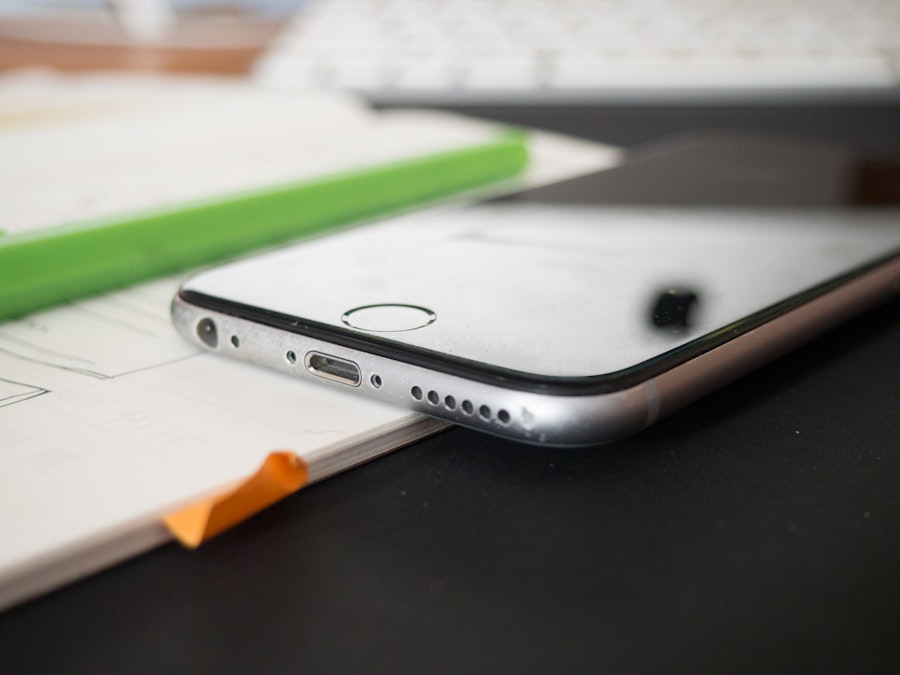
[570, 415]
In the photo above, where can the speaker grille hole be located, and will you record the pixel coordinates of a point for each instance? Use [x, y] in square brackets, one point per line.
[416, 393]
[485, 412]
[503, 416]
[450, 403]
[433, 397]
[467, 407]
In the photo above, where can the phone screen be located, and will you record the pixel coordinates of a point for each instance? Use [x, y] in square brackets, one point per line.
[559, 290]
[592, 278]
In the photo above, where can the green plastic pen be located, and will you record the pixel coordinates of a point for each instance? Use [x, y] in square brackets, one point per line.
[45, 267]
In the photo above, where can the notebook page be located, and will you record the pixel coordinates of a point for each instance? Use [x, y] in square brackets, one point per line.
[108, 419]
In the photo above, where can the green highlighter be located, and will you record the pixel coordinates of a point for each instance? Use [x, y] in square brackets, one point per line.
[53, 265]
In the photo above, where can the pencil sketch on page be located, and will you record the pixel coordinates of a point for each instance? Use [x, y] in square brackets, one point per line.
[102, 337]
[14, 392]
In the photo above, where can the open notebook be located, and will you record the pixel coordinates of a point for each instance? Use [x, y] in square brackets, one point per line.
[109, 420]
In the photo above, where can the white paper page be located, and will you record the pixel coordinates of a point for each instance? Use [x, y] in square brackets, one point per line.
[104, 146]
[108, 419]
[108, 422]
[86, 451]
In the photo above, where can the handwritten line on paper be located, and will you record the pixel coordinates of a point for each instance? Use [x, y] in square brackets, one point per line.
[14, 392]
[104, 337]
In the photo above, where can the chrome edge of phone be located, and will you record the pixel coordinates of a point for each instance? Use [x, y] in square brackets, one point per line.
[526, 416]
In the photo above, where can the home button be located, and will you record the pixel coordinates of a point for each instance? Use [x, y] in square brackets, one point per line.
[388, 318]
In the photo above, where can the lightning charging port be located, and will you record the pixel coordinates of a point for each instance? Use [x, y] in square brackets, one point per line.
[332, 368]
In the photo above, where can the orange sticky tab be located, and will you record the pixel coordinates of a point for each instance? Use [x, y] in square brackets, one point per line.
[282, 473]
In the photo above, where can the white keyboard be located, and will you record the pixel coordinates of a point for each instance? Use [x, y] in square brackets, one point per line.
[566, 51]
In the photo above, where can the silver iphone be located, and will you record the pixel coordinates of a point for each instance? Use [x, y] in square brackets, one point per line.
[545, 320]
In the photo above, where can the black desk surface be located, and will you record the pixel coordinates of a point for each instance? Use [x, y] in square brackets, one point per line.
[756, 531]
